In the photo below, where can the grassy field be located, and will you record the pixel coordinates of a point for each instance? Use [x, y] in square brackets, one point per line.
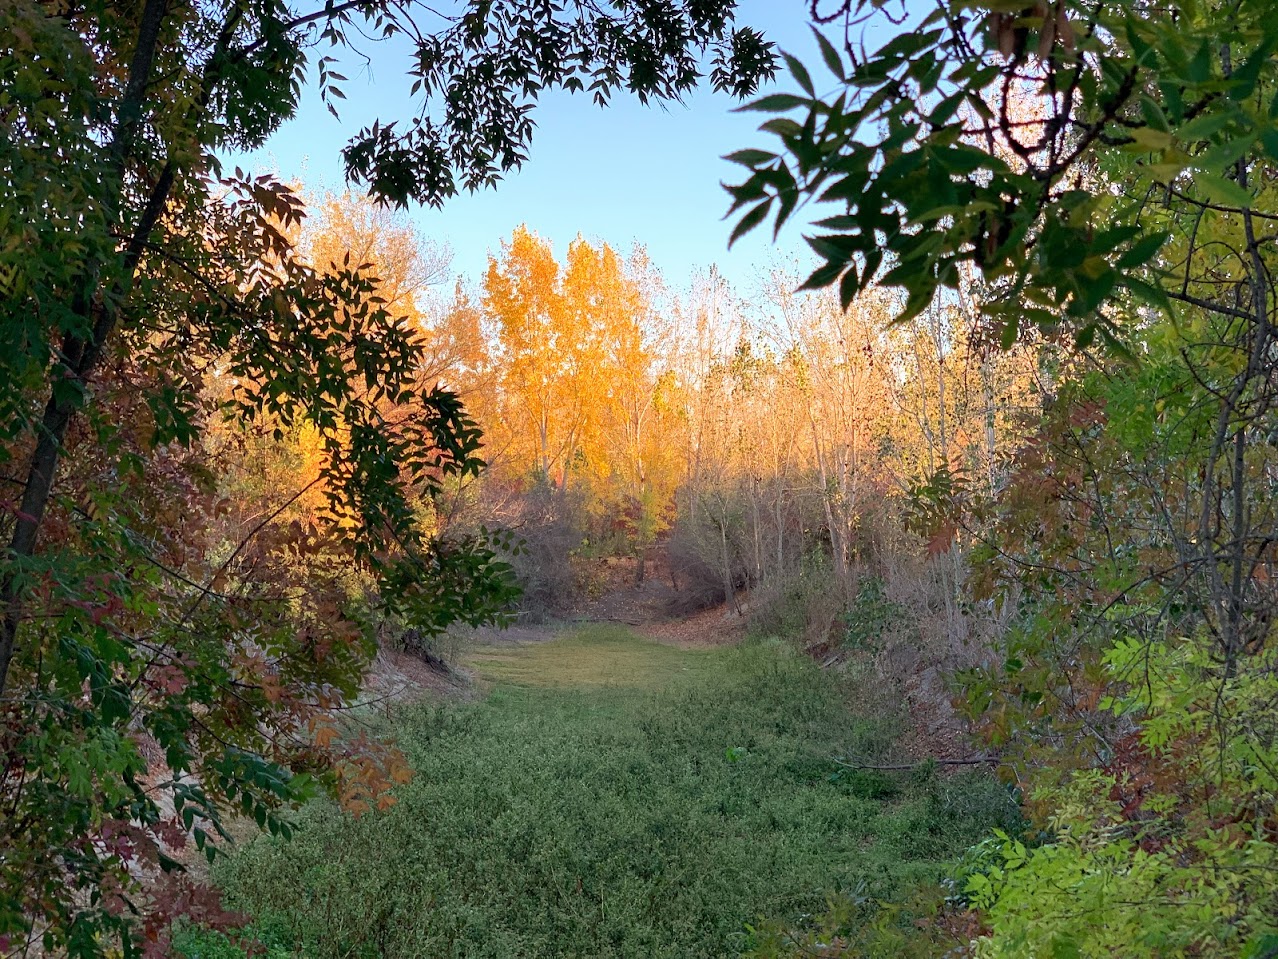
[601, 655]
[612, 797]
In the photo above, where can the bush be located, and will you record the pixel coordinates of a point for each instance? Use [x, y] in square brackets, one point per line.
[871, 615]
[260, 942]
[545, 564]
[542, 531]
[695, 554]
[804, 605]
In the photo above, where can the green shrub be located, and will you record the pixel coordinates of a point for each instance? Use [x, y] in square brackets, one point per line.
[806, 605]
[261, 941]
[870, 615]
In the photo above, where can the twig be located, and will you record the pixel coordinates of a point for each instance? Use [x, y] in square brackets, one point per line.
[207, 590]
[975, 761]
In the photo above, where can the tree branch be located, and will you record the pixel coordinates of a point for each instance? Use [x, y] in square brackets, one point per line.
[974, 761]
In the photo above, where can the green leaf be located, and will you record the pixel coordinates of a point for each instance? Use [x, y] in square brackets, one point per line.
[833, 61]
[169, 864]
[1147, 293]
[964, 159]
[1221, 190]
[822, 277]
[1007, 337]
[1139, 45]
[1263, 946]
[849, 287]
[800, 73]
[1153, 114]
[946, 108]
[750, 158]
[1270, 140]
[748, 222]
[1150, 139]
[774, 103]
[1204, 127]
[68, 390]
[783, 127]
[1140, 252]
[1244, 78]
[1223, 155]
[1200, 65]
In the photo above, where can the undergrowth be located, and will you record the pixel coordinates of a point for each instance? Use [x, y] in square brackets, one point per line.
[633, 819]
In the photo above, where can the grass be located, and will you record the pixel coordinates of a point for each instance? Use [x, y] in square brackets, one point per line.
[612, 797]
[590, 657]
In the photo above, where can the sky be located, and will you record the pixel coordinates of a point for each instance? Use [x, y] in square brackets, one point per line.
[623, 174]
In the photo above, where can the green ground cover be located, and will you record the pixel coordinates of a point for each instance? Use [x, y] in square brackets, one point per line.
[612, 796]
[591, 657]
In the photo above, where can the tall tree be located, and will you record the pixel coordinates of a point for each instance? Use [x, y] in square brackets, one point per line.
[540, 357]
[844, 379]
[1105, 171]
[132, 266]
[350, 229]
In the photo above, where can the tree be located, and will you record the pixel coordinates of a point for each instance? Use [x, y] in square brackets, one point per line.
[371, 235]
[576, 400]
[1105, 174]
[544, 369]
[637, 418]
[133, 271]
[843, 378]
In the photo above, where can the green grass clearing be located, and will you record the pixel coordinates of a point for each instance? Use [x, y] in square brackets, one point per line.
[656, 807]
[588, 657]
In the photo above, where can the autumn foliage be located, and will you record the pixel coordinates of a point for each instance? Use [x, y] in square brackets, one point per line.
[747, 440]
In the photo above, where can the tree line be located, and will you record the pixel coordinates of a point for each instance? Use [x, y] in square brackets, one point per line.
[752, 434]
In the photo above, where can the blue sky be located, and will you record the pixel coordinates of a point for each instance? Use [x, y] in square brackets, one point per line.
[622, 174]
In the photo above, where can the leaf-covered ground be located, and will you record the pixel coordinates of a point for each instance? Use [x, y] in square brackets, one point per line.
[613, 796]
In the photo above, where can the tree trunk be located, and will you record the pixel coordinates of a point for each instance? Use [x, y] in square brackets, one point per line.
[81, 355]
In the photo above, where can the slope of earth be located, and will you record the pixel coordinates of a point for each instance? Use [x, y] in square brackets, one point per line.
[657, 606]
[612, 797]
